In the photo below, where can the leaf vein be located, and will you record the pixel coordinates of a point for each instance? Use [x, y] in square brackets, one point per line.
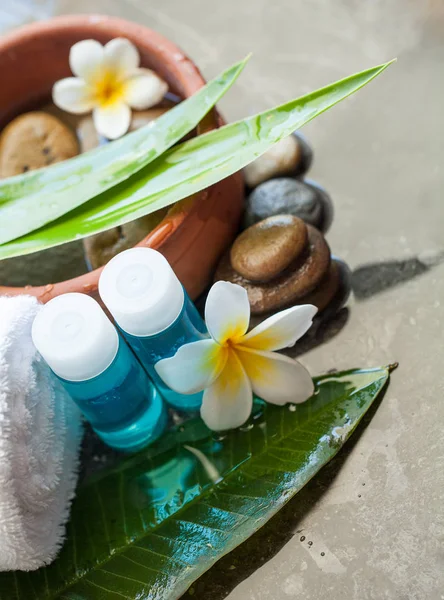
[107, 590]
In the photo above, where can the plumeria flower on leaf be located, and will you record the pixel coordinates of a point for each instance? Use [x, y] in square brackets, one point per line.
[108, 82]
[233, 364]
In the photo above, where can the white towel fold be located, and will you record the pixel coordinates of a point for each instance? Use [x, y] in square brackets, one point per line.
[40, 431]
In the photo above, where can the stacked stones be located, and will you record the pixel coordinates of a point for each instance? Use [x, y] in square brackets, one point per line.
[282, 261]
[282, 258]
[276, 186]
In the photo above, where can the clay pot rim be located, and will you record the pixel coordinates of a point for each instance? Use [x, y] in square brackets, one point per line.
[191, 81]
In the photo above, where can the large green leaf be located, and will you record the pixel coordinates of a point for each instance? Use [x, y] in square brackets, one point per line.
[150, 527]
[188, 168]
[33, 199]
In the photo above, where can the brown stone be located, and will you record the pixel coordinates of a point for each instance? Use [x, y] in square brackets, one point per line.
[327, 289]
[102, 247]
[266, 249]
[299, 279]
[282, 158]
[35, 140]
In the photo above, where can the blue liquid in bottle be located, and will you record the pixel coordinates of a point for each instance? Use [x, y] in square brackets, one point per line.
[121, 404]
[99, 371]
[154, 313]
[188, 327]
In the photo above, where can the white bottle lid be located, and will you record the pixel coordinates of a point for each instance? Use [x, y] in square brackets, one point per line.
[75, 337]
[141, 291]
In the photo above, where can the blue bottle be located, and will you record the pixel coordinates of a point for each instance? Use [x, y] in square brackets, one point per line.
[153, 311]
[99, 371]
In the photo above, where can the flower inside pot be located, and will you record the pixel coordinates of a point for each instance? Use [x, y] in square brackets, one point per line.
[192, 234]
[145, 171]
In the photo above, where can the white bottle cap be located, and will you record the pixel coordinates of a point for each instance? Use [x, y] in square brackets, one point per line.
[75, 337]
[141, 291]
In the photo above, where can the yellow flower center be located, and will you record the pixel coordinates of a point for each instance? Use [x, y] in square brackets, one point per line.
[232, 335]
[108, 89]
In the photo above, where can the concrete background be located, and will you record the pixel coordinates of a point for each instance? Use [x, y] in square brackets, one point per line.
[380, 155]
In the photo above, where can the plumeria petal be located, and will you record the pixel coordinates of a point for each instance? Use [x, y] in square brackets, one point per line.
[112, 121]
[227, 311]
[86, 59]
[194, 367]
[143, 89]
[121, 56]
[282, 329]
[73, 95]
[276, 378]
[228, 402]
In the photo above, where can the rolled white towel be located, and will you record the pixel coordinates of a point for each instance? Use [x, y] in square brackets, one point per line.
[40, 432]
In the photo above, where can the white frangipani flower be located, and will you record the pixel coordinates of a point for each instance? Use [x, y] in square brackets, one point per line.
[108, 82]
[233, 364]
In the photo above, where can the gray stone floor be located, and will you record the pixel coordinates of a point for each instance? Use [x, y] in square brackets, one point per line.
[380, 154]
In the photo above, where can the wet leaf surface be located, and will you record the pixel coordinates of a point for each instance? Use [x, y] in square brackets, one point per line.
[178, 173]
[154, 523]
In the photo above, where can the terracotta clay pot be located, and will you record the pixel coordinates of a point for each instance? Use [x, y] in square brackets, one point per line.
[196, 231]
